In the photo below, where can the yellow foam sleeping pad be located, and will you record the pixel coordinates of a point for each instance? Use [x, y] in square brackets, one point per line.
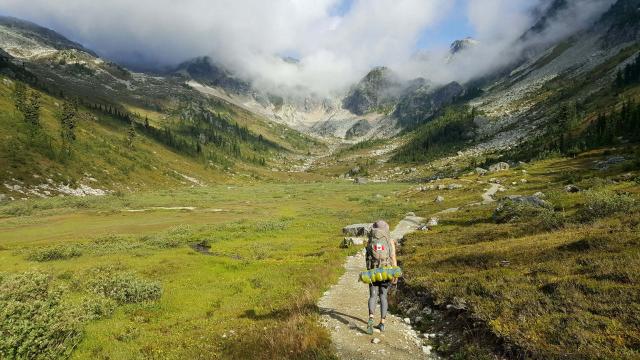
[380, 274]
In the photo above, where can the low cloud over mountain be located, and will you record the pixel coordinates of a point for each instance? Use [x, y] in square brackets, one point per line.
[336, 42]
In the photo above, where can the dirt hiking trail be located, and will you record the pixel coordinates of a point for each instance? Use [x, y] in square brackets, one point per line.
[344, 308]
[344, 312]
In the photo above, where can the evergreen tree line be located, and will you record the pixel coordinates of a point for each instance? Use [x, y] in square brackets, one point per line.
[628, 75]
[188, 138]
[218, 126]
[568, 135]
[443, 135]
[164, 135]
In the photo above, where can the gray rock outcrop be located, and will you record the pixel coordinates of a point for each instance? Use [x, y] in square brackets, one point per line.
[419, 106]
[379, 88]
[357, 230]
[501, 166]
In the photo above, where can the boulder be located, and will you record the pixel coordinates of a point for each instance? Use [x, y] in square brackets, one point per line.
[439, 199]
[571, 189]
[454, 186]
[361, 180]
[432, 222]
[540, 195]
[533, 200]
[457, 304]
[480, 171]
[355, 170]
[357, 230]
[501, 166]
[604, 165]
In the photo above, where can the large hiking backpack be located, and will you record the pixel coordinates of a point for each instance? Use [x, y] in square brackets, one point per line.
[378, 249]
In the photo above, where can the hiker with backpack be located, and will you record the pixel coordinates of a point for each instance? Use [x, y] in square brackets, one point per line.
[380, 252]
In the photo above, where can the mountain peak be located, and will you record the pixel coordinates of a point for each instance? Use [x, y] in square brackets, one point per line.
[38, 34]
[463, 44]
[378, 88]
[205, 70]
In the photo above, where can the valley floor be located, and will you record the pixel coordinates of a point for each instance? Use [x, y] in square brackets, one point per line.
[239, 268]
[236, 271]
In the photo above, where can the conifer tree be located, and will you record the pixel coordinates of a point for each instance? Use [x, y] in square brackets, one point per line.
[131, 133]
[19, 96]
[67, 117]
[31, 110]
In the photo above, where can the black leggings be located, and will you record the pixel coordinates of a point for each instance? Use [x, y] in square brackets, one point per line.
[379, 289]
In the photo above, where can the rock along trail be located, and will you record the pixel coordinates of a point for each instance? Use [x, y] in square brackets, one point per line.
[344, 312]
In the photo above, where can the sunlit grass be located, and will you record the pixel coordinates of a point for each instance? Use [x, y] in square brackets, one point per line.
[273, 250]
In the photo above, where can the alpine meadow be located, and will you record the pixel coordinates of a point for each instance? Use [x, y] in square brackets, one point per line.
[264, 180]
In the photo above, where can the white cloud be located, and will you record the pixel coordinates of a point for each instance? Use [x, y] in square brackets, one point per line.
[249, 35]
[499, 26]
[245, 34]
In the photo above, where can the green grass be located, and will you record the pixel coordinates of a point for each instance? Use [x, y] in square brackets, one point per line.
[273, 250]
[552, 292]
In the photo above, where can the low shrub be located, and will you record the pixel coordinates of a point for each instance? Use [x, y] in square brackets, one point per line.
[161, 241]
[274, 225]
[98, 307]
[124, 287]
[17, 208]
[59, 252]
[542, 216]
[34, 321]
[600, 204]
[548, 219]
[515, 211]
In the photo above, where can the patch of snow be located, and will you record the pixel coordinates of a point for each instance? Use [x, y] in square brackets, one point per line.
[189, 178]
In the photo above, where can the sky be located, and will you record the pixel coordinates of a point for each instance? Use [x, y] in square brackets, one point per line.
[336, 41]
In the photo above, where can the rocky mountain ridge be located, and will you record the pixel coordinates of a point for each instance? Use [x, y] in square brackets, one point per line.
[381, 104]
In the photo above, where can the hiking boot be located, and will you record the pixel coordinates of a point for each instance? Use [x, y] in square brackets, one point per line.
[380, 327]
[370, 326]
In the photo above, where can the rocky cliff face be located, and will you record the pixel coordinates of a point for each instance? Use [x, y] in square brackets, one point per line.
[378, 89]
[359, 129]
[205, 71]
[622, 23]
[423, 103]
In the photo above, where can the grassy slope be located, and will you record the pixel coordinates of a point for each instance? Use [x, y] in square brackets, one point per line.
[566, 292]
[100, 152]
[271, 263]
